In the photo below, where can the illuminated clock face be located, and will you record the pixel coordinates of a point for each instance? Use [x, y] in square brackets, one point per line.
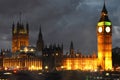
[107, 29]
[100, 29]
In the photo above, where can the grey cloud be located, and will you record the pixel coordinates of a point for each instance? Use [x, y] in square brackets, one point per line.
[116, 36]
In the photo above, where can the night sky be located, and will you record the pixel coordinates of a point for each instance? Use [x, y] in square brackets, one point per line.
[62, 21]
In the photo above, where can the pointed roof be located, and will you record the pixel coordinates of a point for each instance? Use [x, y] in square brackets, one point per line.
[104, 14]
[40, 33]
[104, 8]
[71, 45]
[40, 42]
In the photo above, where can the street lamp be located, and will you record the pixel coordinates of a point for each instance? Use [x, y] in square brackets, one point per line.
[46, 67]
[26, 49]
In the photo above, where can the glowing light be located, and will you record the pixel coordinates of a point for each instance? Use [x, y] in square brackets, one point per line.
[56, 54]
[18, 67]
[62, 67]
[26, 49]
[32, 66]
[80, 64]
[107, 74]
[6, 68]
[46, 67]
[100, 29]
[107, 29]
[7, 73]
[40, 73]
[104, 23]
[32, 50]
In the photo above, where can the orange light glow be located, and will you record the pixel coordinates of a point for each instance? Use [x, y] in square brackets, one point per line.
[80, 64]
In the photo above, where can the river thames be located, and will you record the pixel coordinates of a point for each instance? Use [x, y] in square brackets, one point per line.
[61, 75]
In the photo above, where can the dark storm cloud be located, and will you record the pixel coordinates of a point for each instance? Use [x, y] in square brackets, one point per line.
[61, 21]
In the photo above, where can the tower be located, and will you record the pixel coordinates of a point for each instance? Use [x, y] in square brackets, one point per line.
[71, 48]
[20, 36]
[40, 42]
[104, 39]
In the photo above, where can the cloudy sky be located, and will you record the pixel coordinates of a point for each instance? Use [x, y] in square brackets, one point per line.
[62, 21]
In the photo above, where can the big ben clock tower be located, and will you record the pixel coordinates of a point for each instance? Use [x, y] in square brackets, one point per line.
[104, 39]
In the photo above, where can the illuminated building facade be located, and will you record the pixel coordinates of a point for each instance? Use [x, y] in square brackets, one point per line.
[32, 63]
[80, 62]
[20, 36]
[52, 57]
[25, 59]
[104, 39]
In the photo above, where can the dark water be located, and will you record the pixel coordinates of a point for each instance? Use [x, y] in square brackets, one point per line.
[62, 75]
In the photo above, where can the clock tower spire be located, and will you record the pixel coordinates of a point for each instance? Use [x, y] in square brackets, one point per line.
[104, 14]
[104, 40]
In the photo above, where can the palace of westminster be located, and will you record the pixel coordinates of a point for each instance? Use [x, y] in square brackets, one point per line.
[50, 58]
